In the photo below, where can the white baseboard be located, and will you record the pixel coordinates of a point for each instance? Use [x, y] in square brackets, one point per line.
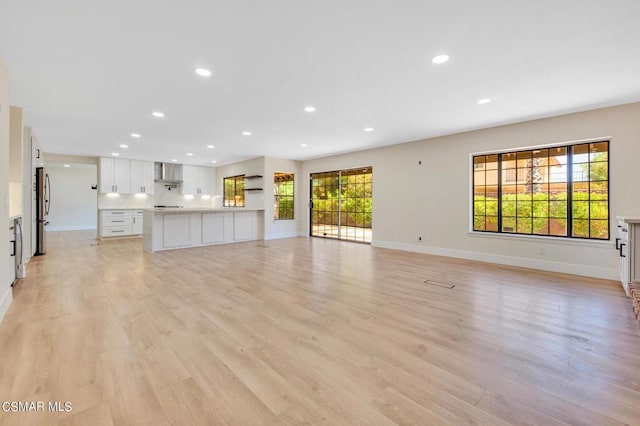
[281, 235]
[544, 265]
[5, 302]
[72, 228]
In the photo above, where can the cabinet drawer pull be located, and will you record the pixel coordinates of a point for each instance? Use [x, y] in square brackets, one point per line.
[617, 241]
[117, 221]
[121, 230]
[622, 245]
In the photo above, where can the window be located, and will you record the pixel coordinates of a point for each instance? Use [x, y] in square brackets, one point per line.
[561, 191]
[233, 191]
[283, 196]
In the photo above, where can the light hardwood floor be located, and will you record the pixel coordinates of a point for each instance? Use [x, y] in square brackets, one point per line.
[312, 331]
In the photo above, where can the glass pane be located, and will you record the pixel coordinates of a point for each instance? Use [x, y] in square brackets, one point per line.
[508, 208]
[541, 226]
[541, 191]
[524, 175]
[492, 223]
[558, 227]
[540, 209]
[508, 176]
[599, 151]
[599, 210]
[558, 209]
[541, 154]
[558, 191]
[558, 156]
[524, 192]
[524, 226]
[492, 177]
[580, 210]
[581, 172]
[580, 153]
[478, 192]
[492, 162]
[523, 208]
[478, 223]
[599, 171]
[508, 190]
[524, 158]
[580, 228]
[509, 224]
[581, 191]
[492, 208]
[600, 229]
[508, 160]
[478, 178]
[599, 190]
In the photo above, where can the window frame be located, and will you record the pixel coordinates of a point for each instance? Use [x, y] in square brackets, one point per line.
[236, 193]
[570, 188]
[277, 197]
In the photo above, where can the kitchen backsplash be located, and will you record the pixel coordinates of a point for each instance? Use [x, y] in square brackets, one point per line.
[162, 196]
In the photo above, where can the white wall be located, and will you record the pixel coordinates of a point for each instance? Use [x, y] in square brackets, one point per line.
[432, 200]
[282, 228]
[5, 289]
[73, 203]
[255, 166]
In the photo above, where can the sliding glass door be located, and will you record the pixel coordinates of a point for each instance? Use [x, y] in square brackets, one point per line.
[341, 204]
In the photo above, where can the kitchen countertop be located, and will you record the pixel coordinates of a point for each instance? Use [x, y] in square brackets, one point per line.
[202, 209]
[629, 219]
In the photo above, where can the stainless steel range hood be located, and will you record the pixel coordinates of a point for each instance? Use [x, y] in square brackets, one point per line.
[168, 173]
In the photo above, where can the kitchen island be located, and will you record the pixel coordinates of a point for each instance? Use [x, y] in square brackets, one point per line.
[175, 228]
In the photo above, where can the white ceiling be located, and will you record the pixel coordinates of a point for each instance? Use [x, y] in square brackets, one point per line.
[89, 73]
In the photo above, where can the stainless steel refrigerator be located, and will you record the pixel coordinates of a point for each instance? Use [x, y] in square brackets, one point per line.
[43, 203]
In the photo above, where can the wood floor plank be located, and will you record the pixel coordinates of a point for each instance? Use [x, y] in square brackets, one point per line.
[312, 331]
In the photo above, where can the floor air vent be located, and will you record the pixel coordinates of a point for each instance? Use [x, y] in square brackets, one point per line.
[439, 284]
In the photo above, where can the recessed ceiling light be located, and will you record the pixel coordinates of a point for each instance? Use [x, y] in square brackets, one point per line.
[210, 146]
[189, 154]
[214, 161]
[304, 145]
[157, 114]
[115, 153]
[368, 129]
[246, 133]
[67, 165]
[484, 101]
[174, 160]
[440, 59]
[310, 108]
[124, 146]
[135, 135]
[203, 72]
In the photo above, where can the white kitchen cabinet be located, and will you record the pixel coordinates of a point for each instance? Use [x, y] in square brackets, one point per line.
[141, 173]
[198, 180]
[217, 227]
[12, 254]
[628, 247]
[245, 226]
[114, 176]
[115, 223]
[137, 222]
[176, 230]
